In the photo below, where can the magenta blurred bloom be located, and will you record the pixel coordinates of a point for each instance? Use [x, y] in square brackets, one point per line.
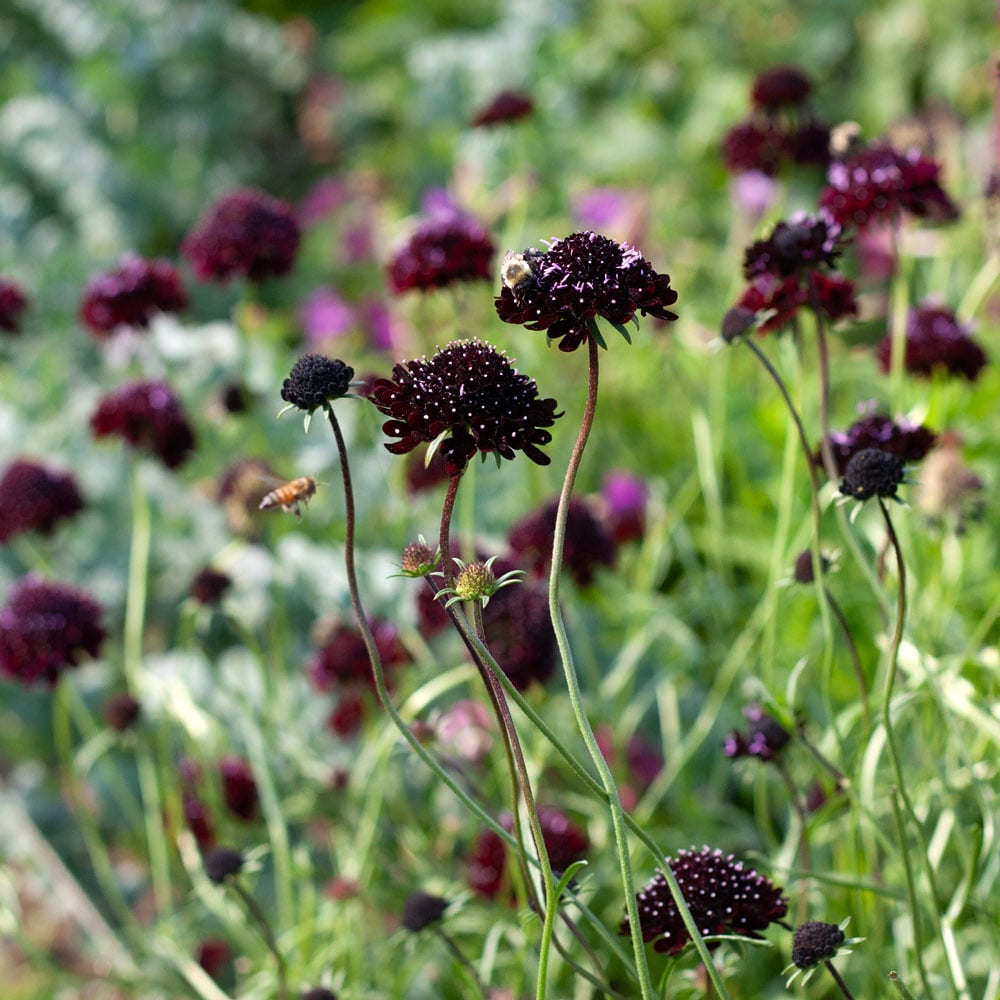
[13, 302]
[935, 341]
[448, 247]
[247, 232]
[323, 199]
[506, 106]
[35, 497]
[147, 415]
[779, 87]
[909, 440]
[754, 193]
[131, 295]
[624, 497]
[765, 738]
[465, 730]
[724, 897]
[325, 315]
[600, 207]
[46, 628]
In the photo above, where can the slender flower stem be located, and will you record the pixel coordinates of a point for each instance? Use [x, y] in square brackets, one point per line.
[260, 919]
[838, 979]
[461, 958]
[444, 539]
[583, 723]
[859, 671]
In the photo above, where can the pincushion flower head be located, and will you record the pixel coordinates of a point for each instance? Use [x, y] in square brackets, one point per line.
[872, 473]
[909, 440]
[765, 738]
[780, 87]
[247, 232]
[131, 294]
[935, 340]
[34, 497]
[447, 247]
[147, 415]
[880, 183]
[563, 289]
[467, 398]
[314, 381]
[723, 896]
[46, 628]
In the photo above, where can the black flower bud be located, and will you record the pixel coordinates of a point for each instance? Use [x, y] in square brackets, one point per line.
[803, 571]
[815, 942]
[221, 862]
[314, 380]
[421, 909]
[872, 473]
[319, 993]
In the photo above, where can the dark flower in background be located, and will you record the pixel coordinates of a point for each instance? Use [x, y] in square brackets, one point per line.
[45, 628]
[247, 232]
[803, 243]
[935, 340]
[879, 182]
[834, 294]
[318, 993]
[34, 497]
[348, 714]
[421, 909]
[446, 248]
[342, 657]
[423, 475]
[765, 738]
[147, 415]
[908, 440]
[215, 957]
[579, 278]
[470, 395]
[507, 106]
[623, 500]
[643, 762]
[753, 147]
[803, 572]
[240, 489]
[209, 585]
[235, 397]
[315, 380]
[809, 144]
[222, 862]
[781, 298]
[872, 473]
[948, 489]
[239, 788]
[13, 302]
[723, 896]
[587, 546]
[121, 711]
[131, 295]
[780, 86]
[520, 631]
[197, 818]
[815, 942]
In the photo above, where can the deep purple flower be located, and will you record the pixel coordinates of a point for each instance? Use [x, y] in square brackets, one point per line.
[421, 909]
[247, 232]
[751, 146]
[808, 144]
[348, 714]
[342, 657]
[585, 275]
[803, 570]
[880, 183]
[13, 302]
[765, 738]
[131, 294]
[520, 631]
[624, 498]
[209, 585]
[802, 244]
[45, 628]
[723, 896]
[446, 248]
[780, 87]
[239, 788]
[935, 339]
[815, 942]
[315, 380]
[587, 546]
[147, 415]
[507, 106]
[34, 497]
[872, 473]
[908, 440]
[222, 863]
[834, 295]
[318, 993]
[782, 298]
[470, 399]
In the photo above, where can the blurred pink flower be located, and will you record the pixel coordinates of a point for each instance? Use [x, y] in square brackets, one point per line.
[323, 198]
[325, 315]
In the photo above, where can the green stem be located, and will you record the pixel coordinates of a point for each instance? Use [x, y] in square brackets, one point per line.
[260, 919]
[832, 969]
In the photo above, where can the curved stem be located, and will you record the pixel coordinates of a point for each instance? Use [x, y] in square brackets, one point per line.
[260, 919]
[832, 969]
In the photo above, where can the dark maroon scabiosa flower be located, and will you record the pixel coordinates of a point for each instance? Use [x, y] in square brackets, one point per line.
[809, 144]
[199, 822]
[935, 340]
[318, 993]
[342, 657]
[235, 397]
[815, 942]
[723, 896]
[507, 106]
[316, 380]
[121, 711]
[623, 499]
[130, 295]
[588, 545]
[147, 415]
[879, 182]
[214, 956]
[780, 87]
[348, 714]
[34, 497]
[239, 789]
[908, 440]
[803, 571]
[562, 290]
[834, 295]
[448, 247]
[468, 398]
[872, 473]
[45, 628]
[421, 909]
[756, 147]
[209, 586]
[765, 738]
[779, 298]
[520, 631]
[222, 863]
[804, 243]
[13, 302]
[422, 474]
[247, 232]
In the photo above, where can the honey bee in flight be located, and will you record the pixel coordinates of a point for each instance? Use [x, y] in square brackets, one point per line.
[289, 495]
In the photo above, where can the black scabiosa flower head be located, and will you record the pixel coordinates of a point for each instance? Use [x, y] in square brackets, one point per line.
[209, 586]
[13, 302]
[222, 863]
[467, 398]
[803, 570]
[45, 628]
[448, 247]
[247, 232]
[872, 473]
[34, 497]
[520, 631]
[752, 146]
[147, 415]
[507, 106]
[935, 341]
[723, 896]
[588, 544]
[765, 738]
[803, 243]
[815, 942]
[779, 87]
[239, 787]
[563, 289]
[130, 295]
[315, 380]
[342, 657]
[421, 909]
[910, 441]
[880, 183]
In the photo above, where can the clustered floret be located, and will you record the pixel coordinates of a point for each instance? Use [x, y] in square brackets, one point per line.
[448, 247]
[935, 341]
[315, 380]
[34, 497]
[131, 294]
